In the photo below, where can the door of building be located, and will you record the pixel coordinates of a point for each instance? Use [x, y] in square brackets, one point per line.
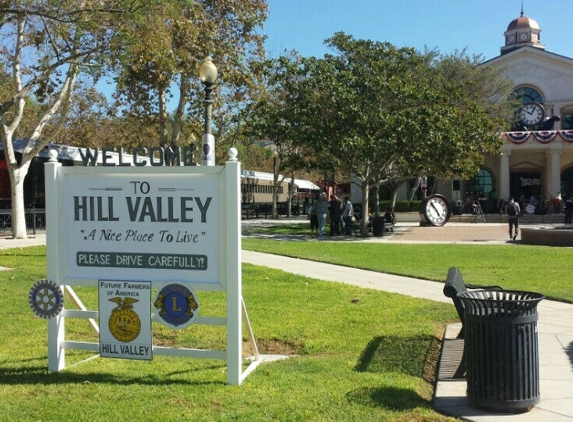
[524, 185]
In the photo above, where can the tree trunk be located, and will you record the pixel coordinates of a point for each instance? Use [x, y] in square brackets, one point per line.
[18, 225]
[179, 111]
[163, 134]
[364, 217]
[394, 195]
[414, 189]
[377, 201]
[290, 193]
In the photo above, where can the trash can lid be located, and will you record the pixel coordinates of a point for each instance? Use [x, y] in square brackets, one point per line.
[504, 295]
[501, 301]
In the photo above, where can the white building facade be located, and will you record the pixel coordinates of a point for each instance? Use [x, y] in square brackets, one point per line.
[536, 159]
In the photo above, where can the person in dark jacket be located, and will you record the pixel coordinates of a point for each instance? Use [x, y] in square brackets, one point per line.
[335, 212]
[513, 212]
[569, 210]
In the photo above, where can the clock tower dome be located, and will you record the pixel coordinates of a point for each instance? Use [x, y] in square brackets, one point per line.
[520, 32]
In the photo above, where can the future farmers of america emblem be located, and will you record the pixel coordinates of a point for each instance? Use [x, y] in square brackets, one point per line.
[177, 305]
[124, 323]
[46, 299]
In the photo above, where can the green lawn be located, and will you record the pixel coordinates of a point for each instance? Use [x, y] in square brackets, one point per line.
[541, 269]
[358, 355]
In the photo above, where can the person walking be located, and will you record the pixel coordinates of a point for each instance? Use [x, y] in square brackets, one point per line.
[569, 210]
[321, 208]
[513, 212]
[335, 211]
[347, 216]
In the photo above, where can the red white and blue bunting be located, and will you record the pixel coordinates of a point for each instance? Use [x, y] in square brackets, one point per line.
[517, 137]
[543, 137]
[567, 135]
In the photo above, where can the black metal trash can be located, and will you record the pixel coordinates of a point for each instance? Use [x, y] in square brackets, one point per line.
[378, 226]
[501, 349]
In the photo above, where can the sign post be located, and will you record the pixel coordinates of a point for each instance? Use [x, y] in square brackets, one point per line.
[130, 230]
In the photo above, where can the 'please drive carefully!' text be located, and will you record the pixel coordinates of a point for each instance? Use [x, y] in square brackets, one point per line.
[142, 260]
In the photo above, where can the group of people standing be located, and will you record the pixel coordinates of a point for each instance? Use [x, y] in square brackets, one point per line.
[340, 213]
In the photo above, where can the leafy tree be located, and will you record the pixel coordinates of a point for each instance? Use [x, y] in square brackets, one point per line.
[154, 70]
[91, 121]
[390, 113]
[47, 45]
[273, 116]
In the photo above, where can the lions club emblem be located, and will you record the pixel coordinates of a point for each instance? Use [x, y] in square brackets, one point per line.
[177, 305]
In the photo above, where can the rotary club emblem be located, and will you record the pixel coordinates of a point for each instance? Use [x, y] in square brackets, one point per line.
[177, 305]
[124, 323]
[46, 299]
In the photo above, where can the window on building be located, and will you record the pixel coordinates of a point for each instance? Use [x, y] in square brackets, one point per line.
[567, 118]
[523, 96]
[482, 183]
[527, 95]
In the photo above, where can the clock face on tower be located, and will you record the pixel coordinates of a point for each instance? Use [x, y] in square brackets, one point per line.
[532, 114]
[511, 39]
[523, 37]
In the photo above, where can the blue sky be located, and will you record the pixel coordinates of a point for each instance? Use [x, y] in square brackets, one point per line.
[447, 25]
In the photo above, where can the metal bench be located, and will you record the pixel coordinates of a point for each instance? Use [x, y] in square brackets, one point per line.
[454, 285]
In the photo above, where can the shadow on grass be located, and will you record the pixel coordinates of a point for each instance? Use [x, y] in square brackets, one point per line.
[40, 375]
[416, 356]
[391, 398]
[397, 354]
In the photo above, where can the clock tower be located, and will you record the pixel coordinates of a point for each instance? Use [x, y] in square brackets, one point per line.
[520, 32]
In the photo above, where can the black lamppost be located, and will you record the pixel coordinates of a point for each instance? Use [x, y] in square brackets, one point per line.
[275, 183]
[208, 75]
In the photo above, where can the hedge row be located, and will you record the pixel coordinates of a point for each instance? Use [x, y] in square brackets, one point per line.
[401, 206]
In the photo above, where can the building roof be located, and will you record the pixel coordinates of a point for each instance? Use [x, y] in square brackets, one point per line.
[305, 184]
[65, 152]
[527, 50]
[522, 22]
[260, 175]
[71, 153]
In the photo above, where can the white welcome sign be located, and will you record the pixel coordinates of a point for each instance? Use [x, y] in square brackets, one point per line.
[153, 222]
[146, 224]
